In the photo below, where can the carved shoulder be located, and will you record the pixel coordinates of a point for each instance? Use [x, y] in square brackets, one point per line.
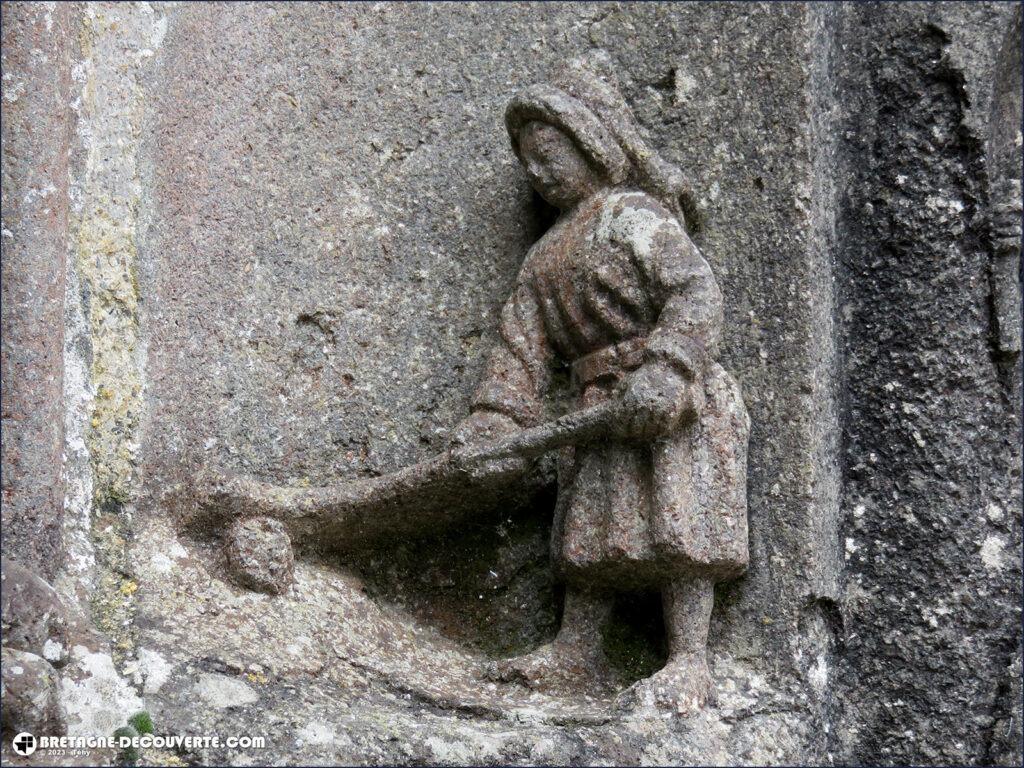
[637, 221]
[655, 238]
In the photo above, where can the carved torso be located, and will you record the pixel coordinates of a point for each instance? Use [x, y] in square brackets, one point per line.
[617, 281]
[590, 288]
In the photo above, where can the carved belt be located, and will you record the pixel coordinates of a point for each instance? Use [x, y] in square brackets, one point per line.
[610, 361]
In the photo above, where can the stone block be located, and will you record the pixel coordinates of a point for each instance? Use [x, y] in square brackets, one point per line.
[276, 239]
[31, 695]
[259, 555]
[34, 618]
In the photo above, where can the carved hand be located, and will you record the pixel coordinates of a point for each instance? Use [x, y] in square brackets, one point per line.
[482, 427]
[655, 400]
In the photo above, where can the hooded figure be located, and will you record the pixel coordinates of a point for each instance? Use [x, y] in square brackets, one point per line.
[617, 292]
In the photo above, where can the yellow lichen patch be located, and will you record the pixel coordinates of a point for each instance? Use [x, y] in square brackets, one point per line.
[111, 601]
[161, 757]
[107, 228]
[106, 259]
[255, 677]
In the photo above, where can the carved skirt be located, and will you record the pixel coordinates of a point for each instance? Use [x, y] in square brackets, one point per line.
[634, 515]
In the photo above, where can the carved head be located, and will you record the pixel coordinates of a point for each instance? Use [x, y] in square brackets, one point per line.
[559, 171]
[577, 134]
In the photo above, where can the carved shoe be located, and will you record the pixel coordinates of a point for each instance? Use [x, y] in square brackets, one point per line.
[683, 686]
[557, 666]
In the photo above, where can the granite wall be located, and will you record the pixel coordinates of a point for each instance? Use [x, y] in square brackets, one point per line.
[276, 237]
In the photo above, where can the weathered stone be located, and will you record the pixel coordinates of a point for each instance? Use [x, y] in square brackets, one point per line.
[1008, 728]
[290, 229]
[932, 429]
[34, 619]
[652, 479]
[259, 555]
[360, 357]
[37, 139]
[96, 696]
[222, 692]
[1003, 159]
[31, 695]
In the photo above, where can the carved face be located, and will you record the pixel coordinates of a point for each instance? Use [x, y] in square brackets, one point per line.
[557, 169]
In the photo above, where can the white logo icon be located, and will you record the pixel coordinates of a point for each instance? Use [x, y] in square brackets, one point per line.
[24, 744]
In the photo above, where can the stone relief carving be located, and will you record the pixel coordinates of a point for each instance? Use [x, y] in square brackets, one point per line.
[651, 463]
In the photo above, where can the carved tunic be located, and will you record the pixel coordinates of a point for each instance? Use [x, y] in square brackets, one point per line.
[613, 285]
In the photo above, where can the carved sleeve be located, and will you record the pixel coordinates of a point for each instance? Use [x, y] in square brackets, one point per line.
[690, 321]
[518, 371]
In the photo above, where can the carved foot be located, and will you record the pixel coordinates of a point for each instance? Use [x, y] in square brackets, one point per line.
[683, 686]
[555, 666]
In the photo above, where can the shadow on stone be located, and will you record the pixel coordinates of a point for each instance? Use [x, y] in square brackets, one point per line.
[634, 637]
[487, 585]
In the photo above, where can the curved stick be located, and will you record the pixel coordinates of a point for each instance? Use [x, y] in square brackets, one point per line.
[429, 495]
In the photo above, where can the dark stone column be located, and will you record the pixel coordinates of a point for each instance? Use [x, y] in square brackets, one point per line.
[931, 437]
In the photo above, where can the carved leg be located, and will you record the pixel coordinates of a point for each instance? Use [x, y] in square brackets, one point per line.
[684, 683]
[575, 658]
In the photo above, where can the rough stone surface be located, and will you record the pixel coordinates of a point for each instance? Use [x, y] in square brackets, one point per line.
[259, 555]
[34, 619]
[932, 429]
[59, 673]
[277, 241]
[1006, 730]
[31, 695]
[36, 141]
[333, 233]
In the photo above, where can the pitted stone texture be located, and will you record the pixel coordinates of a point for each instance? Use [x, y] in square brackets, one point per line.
[334, 230]
[932, 429]
[328, 222]
[332, 676]
[335, 218]
[259, 555]
[1007, 729]
[37, 61]
[34, 619]
[31, 698]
